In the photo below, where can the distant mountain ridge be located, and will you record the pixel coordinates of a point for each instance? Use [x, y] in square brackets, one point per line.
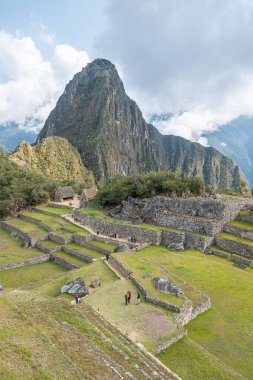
[98, 118]
[235, 140]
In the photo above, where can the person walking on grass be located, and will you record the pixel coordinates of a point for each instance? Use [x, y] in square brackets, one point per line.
[76, 299]
[126, 299]
[129, 295]
[107, 257]
[138, 299]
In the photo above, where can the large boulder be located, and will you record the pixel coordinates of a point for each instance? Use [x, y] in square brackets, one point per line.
[76, 286]
[122, 247]
[175, 246]
[167, 286]
[1, 289]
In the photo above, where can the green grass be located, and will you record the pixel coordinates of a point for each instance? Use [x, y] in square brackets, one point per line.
[16, 278]
[55, 210]
[97, 269]
[225, 330]
[245, 212]
[242, 224]
[63, 233]
[56, 222]
[102, 244]
[141, 266]
[87, 251]
[228, 236]
[11, 250]
[49, 244]
[71, 258]
[144, 323]
[31, 228]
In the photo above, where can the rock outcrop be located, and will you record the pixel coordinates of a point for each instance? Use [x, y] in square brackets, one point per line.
[108, 129]
[167, 286]
[76, 286]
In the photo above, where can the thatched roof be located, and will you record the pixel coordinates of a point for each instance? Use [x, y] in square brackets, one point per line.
[65, 192]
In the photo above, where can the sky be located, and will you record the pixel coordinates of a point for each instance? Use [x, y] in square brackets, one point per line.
[189, 58]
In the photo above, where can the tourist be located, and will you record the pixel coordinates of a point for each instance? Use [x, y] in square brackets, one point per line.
[76, 298]
[97, 233]
[138, 299]
[129, 295]
[126, 299]
[107, 256]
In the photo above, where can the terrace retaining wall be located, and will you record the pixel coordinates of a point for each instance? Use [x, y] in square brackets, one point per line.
[47, 249]
[35, 221]
[239, 231]
[235, 247]
[76, 253]
[149, 236]
[32, 261]
[169, 342]
[16, 231]
[60, 261]
[60, 239]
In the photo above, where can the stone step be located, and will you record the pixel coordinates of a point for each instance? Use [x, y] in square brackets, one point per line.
[236, 245]
[215, 250]
[242, 260]
[241, 230]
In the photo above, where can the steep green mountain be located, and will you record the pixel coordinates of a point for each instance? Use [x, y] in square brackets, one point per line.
[20, 187]
[108, 129]
[235, 140]
[54, 158]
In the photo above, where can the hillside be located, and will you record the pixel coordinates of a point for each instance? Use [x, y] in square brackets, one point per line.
[95, 114]
[53, 158]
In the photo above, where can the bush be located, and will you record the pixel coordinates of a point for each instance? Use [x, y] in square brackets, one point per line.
[120, 188]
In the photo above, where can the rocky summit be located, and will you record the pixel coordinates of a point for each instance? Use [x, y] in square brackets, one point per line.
[98, 118]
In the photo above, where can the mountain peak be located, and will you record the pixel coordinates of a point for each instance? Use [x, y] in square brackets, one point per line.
[107, 128]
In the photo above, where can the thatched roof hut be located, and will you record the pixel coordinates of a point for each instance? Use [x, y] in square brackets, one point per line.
[64, 193]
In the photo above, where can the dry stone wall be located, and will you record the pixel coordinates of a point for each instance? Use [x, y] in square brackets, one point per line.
[238, 231]
[32, 261]
[76, 253]
[60, 239]
[169, 342]
[234, 246]
[60, 261]
[24, 236]
[142, 235]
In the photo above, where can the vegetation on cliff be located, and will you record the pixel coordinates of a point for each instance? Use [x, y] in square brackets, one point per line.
[108, 129]
[54, 158]
[120, 187]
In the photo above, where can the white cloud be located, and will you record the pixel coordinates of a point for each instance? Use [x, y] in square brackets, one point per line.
[29, 84]
[193, 56]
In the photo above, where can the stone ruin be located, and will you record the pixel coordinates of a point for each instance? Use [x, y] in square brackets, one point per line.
[76, 286]
[167, 286]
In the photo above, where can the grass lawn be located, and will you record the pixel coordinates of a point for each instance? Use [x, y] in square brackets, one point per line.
[49, 243]
[225, 330]
[71, 258]
[26, 350]
[102, 244]
[90, 252]
[242, 224]
[141, 266]
[97, 269]
[144, 323]
[15, 278]
[31, 228]
[11, 250]
[55, 210]
[228, 236]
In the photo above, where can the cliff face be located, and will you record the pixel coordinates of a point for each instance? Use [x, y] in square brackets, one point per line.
[54, 158]
[107, 128]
